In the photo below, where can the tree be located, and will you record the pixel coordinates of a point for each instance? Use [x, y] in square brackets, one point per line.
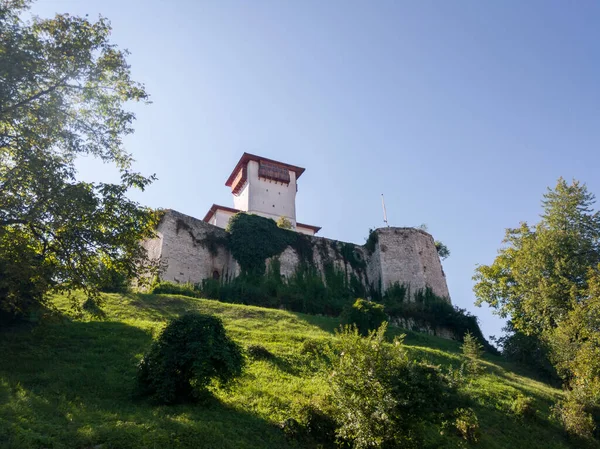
[544, 268]
[365, 315]
[63, 94]
[192, 351]
[379, 397]
[547, 279]
[442, 250]
[473, 352]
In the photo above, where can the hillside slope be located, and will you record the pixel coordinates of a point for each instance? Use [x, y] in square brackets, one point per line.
[69, 383]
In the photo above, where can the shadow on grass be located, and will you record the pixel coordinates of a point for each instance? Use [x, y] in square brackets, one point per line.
[71, 385]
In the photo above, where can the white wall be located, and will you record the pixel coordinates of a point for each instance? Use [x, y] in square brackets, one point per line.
[240, 201]
[222, 218]
[270, 198]
[306, 231]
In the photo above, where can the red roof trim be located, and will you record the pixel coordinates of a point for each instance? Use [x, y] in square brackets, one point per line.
[214, 208]
[247, 157]
[314, 228]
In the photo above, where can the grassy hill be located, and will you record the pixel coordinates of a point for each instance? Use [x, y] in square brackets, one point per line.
[69, 382]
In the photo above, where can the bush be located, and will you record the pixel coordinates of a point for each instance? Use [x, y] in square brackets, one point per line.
[170, 288]
[319, 425]
[574, 417]
[259, 352]
[379, 397]
[112, 280]
[472, 351]
[522, 407]
[428, 309]
[211, 289]
[190, 353]
[467, 424]
[365, 315]
[312, 347]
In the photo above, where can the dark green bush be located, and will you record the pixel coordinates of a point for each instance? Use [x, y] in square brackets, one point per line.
[112, 280]
[171, 288]
[259, 352]
[529, 351]
[319, 426]
[380, 398]
[210, 288]
[365, 315]
[190, 353]
[428, 309]
[312, 347]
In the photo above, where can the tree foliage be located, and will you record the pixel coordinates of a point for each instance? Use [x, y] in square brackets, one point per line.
[544, 268]
[380, 397]
[442, 250]
[365, 315]
[63, 94]
[547, 279]
[191, 352]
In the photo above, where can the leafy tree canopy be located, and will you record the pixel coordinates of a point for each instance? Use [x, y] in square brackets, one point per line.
[63, 94]
[547, 279]
[543, 269]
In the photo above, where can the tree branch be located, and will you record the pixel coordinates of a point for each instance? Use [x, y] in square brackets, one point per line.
[34, 97]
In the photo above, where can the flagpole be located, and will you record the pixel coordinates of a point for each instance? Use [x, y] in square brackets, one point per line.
[385, 220]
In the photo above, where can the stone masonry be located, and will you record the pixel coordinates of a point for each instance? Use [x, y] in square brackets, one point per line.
[189, 251]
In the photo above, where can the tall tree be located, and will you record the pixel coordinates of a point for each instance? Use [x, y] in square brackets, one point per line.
[547, 280]
[63, 91]
[542, 267]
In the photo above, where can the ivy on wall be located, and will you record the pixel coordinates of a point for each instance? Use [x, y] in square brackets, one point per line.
[253, 239]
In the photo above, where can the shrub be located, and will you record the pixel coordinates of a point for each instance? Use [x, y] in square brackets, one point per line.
[111, 280]
[472, 351]
[522, 407]
[319, 424]
[259, 352]
[365, 315]
[284, 223]
[210, 288]
[312, 347]
[428, 309]
[379, 397]
[574, 417]
[190, 353]
[467, 424]
[171, 288]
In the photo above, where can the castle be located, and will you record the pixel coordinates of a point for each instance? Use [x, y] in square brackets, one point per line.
[191, 250]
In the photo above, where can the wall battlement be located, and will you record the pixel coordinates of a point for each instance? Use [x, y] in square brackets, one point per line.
[191, 250]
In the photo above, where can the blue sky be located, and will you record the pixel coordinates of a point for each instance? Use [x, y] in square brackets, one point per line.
[460, 112]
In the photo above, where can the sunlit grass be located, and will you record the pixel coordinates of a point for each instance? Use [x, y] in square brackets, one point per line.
[69, 382]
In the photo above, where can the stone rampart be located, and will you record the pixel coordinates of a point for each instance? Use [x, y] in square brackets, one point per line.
[191, 250]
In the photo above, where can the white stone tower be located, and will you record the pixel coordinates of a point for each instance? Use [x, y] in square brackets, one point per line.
[263, 187]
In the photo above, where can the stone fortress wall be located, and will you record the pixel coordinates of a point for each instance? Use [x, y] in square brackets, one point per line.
[189, 251]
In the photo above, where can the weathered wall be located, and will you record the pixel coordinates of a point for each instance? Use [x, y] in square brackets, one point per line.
[408, 255]
[190, 251]
[186, 254]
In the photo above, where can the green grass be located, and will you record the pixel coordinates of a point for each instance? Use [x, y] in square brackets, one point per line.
[69, 382]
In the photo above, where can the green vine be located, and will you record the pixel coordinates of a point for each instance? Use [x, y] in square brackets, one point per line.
[352, 256]
[372, 241]
[253, 239]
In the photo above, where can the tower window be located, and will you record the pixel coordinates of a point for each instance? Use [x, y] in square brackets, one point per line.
[274, 172]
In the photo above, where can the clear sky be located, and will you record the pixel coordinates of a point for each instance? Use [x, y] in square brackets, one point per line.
[460, 112]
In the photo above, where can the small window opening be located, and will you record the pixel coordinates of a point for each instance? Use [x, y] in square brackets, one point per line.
[216, 275]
